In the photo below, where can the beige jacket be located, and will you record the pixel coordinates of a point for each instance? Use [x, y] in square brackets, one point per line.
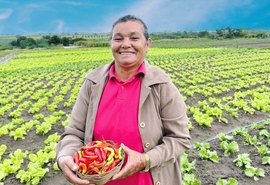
[163, 122]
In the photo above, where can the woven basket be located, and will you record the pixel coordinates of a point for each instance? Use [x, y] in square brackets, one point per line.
[100, 179]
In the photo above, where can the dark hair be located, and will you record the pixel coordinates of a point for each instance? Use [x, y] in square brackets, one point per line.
[127, 18]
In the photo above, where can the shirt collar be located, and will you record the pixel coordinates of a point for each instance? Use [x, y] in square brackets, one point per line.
[112, 74]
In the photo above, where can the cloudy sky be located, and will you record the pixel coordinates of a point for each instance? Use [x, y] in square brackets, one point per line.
[95, 16]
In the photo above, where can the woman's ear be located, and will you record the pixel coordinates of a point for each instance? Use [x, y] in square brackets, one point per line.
[148, 44]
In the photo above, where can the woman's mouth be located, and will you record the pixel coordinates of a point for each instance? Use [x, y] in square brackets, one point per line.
[126, 52]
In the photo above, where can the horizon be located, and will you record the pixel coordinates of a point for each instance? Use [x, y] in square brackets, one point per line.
[103, 33]
[35, 17]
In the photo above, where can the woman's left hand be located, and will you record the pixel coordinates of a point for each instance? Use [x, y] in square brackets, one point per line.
[135, 163]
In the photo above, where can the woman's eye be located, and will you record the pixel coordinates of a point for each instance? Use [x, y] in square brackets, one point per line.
[117, 39]
[134, 38]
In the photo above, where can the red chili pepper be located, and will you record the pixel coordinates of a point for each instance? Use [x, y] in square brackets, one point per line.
[90, 166]
[115, 148]
[103, 155]
[97, 152]
[91, 143]
[90, 157]
[98, 164]
[103, 144]
[84, 160]
[87, 152]
[107, 168]
[115, 163]
[76, 158]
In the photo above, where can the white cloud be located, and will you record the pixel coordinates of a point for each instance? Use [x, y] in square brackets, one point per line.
[60, 24]
[5, 13]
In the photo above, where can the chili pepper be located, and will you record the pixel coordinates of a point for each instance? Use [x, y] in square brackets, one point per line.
[84, 160]
[98, 142]
[95, 170]
[87, 152]
[98, 164]
[97, 152]
[110, 162]
[91, 143]
[120, 156]
[76, 158]
[115, 163]
[80, 154]
[103, 155]
[107, 168]
[83, 167]
[103, 145]
[90, 166]
[111, 156]
[90, 157]
[115, 148]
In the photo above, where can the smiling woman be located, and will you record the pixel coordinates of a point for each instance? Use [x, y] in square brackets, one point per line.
[134, 103]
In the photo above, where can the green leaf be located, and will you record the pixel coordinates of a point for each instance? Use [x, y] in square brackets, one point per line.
[266, 160]
[250, 171]
[260, 172]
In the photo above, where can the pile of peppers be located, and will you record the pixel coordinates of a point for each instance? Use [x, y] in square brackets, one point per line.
[98, 157]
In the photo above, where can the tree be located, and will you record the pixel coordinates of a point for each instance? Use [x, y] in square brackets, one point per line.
[65, 41]
[54, 40]
[204, 34]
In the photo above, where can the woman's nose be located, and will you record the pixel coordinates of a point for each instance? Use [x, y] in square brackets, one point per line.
[126, 43]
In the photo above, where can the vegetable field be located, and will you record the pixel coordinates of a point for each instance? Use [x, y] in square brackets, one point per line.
[227, 92]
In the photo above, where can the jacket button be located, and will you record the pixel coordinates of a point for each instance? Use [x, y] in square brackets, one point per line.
[142, 124]
[157, 183]
[146, 145]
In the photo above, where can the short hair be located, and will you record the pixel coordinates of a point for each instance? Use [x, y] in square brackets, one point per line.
[127, 18]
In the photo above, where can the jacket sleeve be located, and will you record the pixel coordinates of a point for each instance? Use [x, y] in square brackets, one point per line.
[72, 138]
[176, 137]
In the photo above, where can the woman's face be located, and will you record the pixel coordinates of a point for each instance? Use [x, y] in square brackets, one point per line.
[128, 44]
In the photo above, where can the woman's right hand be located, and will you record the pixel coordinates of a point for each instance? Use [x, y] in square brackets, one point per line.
[69, 168]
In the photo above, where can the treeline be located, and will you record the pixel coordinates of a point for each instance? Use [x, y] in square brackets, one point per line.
[225, 33]
[48, 41]
[44, 42]
[101, 40]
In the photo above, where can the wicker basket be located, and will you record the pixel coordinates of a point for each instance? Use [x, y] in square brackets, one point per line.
[100, 179]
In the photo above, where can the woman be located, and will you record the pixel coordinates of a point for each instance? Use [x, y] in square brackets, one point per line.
[134, 103]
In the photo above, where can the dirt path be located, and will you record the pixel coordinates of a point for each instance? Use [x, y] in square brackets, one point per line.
[8, 57]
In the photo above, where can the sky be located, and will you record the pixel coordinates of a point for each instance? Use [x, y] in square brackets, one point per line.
[26, 17]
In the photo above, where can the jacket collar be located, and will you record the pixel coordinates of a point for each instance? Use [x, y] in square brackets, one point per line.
[152, 76]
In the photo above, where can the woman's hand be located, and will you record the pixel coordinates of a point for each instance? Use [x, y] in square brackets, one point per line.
[135, 163]
[68, 168]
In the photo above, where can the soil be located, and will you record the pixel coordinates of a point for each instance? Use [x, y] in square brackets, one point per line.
[208, 172]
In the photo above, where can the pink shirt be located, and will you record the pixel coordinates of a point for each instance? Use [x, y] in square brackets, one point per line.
[117, 119]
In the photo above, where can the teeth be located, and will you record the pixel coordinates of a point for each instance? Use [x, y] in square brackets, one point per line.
[125, 53]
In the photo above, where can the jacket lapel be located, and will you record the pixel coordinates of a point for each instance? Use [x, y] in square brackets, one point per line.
[150, 78]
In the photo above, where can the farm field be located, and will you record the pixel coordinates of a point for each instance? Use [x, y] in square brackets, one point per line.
[227, 92]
